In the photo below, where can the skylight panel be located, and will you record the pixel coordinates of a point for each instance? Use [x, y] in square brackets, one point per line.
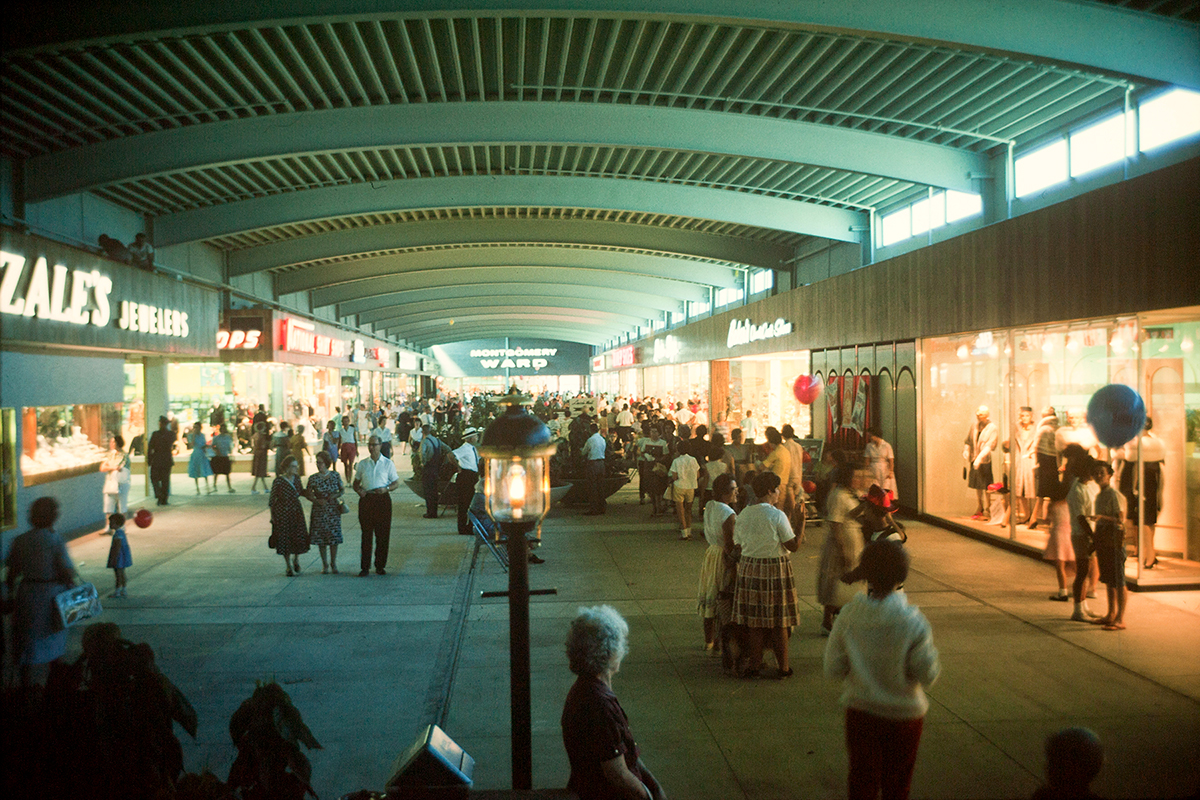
[1168, 117]
[1040, 168]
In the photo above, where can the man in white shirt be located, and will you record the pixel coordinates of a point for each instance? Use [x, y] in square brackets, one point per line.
[685, 471]
[385, 436]
[468, 476]
[749, 427]
[593, 470]
[375, 479]
[625, 423]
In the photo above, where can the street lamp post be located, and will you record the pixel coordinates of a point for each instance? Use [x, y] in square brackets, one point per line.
[518, 447]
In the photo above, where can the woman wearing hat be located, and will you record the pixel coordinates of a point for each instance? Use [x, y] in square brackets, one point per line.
[883, 650]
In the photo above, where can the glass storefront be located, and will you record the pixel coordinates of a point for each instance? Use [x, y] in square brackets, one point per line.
[679, 383]
[1008, 378]
[763, 384]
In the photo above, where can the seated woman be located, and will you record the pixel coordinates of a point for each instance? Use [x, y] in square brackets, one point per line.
[605, 763]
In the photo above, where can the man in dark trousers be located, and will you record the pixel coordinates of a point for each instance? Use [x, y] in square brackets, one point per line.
[468, 477]
[375, 479]
[160, 458]
[431, 465]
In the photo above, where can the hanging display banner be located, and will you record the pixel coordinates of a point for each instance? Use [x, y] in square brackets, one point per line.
[53, 294]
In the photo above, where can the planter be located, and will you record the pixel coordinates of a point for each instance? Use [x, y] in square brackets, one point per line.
[578, 493]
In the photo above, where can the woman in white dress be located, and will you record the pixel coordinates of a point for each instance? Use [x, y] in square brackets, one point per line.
[881, 461]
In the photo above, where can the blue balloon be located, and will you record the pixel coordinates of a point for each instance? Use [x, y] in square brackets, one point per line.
[1117, 414]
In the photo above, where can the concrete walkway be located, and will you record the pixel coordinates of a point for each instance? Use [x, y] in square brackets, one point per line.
[370, 661]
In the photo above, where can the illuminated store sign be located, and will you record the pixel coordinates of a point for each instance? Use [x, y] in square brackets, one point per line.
[624, 356]
[408, 361]
[598, 363]
[238, 340]
[152, 319]
[74, 296]
[745, 332]
[78, 297]
[667, 348]
[515, 358]
[301, 337]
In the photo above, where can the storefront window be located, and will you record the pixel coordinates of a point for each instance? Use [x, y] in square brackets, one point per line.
[64, 441]
[763, 384]
[679, 383]
[133, 421]
[998, 385]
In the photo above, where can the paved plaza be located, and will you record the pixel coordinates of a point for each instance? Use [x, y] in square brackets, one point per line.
[370, 661]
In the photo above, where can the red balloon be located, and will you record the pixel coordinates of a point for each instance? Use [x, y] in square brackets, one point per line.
[143, 518]
[809, 486]
[807, 388]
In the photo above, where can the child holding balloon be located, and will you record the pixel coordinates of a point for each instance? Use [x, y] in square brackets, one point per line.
[119, 557]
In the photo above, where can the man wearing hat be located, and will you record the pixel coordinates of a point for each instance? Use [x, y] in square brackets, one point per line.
[160, 457]
[468, 476]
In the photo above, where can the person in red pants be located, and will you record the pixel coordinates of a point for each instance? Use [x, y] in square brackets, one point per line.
[883, 649]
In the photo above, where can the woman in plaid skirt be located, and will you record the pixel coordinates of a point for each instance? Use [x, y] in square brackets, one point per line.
[765, 598]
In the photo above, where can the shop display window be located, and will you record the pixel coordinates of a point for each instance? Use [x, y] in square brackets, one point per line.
[763, 384]
[1019, 376]
[8, 468]
[679, 383]
[64, 441]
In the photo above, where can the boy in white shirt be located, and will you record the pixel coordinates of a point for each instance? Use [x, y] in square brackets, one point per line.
[684, 475]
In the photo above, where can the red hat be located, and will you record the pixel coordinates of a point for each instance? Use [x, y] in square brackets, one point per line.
[885, 501]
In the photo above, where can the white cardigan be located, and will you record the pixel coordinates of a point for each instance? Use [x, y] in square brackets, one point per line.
[884, 650]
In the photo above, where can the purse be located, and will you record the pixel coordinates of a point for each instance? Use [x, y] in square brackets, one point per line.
[342, 507]
[77, 604]
[272, 540]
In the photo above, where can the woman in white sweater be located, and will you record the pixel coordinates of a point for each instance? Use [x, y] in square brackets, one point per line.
[883, 648]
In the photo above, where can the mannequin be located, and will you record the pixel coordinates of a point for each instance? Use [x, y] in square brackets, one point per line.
[1148, 490]
[1047, 465]
[1024, 491]
[977, 450]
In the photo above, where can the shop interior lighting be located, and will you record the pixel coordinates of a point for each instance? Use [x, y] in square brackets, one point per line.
[1185, 344]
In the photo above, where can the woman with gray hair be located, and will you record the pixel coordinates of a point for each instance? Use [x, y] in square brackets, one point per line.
[605, 764]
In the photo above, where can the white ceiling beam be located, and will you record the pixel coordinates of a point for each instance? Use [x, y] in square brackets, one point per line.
[365, 269]
[1092, 35]
[562, 333]
[524, 191]
[434, 233]
[452, 276]
[415, 330]
[464, 316]
[658, 304]
[453, 306]
[385, 127]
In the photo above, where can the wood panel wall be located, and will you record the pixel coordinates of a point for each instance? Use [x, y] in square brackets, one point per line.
[1128, 247]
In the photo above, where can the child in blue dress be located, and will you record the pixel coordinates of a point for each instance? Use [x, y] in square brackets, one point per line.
[119, 556]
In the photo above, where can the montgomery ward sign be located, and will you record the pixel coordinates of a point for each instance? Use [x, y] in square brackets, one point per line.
[512, 356]
[745, 332]
[507, 358]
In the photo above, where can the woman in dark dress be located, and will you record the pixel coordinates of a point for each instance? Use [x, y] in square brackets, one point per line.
[260, 444]
[287, 516]
[605, 763]
[38, 568]
[325, 488]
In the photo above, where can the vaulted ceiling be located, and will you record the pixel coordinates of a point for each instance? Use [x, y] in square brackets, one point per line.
[568, 169]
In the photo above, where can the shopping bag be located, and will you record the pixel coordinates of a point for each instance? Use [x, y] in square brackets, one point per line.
[78, 604]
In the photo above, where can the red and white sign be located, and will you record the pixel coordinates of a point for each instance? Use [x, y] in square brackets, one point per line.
[598, 363]
[238, 340]
[301, 337]
[624, 357]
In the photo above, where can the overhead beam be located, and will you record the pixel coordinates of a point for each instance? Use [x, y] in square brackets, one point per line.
[504, 288]
[524, 191]
[1092, 35]
[464, 315]
[514, 323]
[458, 306]
[563, 334]
[385, 127]
[598, 279]
[567, 258]
[434, 233]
